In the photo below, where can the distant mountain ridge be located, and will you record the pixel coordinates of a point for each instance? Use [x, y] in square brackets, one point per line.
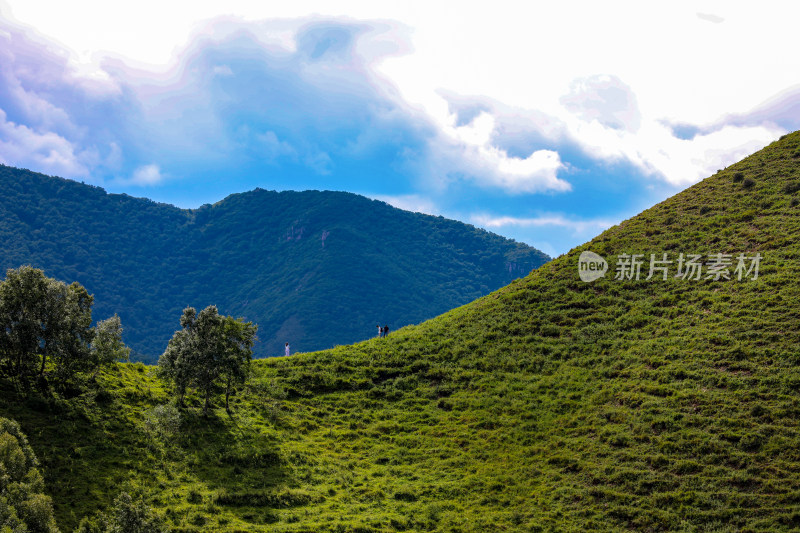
[312, 268]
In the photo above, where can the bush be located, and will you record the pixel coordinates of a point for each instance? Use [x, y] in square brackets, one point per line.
[23, 503]
[127, 516]
[163, 421]
[751, 442]
[791, 187]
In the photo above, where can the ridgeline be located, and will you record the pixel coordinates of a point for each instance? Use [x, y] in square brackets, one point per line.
[312, 268]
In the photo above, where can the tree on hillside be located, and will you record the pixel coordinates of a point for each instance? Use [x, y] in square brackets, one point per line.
[127, 516]
[23, 504]
[238, 338]
[71, 352]
[107, 346]
[43, 319]
[210, 349]
[174, 365]
[26, 298]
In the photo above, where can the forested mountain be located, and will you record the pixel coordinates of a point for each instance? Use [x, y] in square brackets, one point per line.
[311, 268]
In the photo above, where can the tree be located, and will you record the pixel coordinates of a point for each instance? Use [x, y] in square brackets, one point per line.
[42, 318]
[45, 319]
[23, 504]
[127, 516]
[210, 348]
[238, 342]
[71, 352]
[107, 346]
[26, 304]
[174, 365]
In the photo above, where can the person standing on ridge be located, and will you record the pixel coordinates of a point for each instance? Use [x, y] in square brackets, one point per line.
[380, 331]
[385, 331]
[286, 350]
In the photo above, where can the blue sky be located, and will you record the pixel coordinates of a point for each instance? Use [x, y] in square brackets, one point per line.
[543, 123]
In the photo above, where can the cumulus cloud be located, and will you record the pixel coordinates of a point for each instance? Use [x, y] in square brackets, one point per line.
[231, 94]
[43, 151]
[606, 99]
[492, 166]
[143, 176]
[553, 233]
[576, 226]
[658, 152]
[272, 148]
[146, 175]
[519, 131]
[53, 118]
[410, 202]
[605, 123]
[222, 70]
[602, 120]
[520, 149]
[307, 96]
[469, 151]
[782, 110]
[310, 102]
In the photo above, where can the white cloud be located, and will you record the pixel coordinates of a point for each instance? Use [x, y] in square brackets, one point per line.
[659, 153]
[577, 226]
[409, 202]
[144, 176]
[42, 151]
[536, 173]
[606, 99]
[319, 162]
[272, 147]
[468, 152]
[633, 75]
[222, 71]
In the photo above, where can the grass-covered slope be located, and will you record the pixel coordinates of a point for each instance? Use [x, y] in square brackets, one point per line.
[311, 268]
[549, 405]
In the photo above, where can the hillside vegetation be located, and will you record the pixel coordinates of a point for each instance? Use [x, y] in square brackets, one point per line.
[549, 405]
[312, 268]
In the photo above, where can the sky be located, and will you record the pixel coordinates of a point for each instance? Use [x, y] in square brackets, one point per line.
[542, 122]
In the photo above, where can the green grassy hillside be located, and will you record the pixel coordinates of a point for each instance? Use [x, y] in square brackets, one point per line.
[549, 405]
[312, 268]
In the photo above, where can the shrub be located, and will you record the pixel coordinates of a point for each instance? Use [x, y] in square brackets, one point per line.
[131, 517]
[751, 442]
[22, 502]
[163, 421]
[791, 187]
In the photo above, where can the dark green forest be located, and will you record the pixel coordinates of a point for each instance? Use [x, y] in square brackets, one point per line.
[315, 269]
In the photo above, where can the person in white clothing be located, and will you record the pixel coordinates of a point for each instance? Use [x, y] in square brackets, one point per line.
[287, 349]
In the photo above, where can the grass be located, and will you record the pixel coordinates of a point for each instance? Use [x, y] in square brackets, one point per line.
[549, 405]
